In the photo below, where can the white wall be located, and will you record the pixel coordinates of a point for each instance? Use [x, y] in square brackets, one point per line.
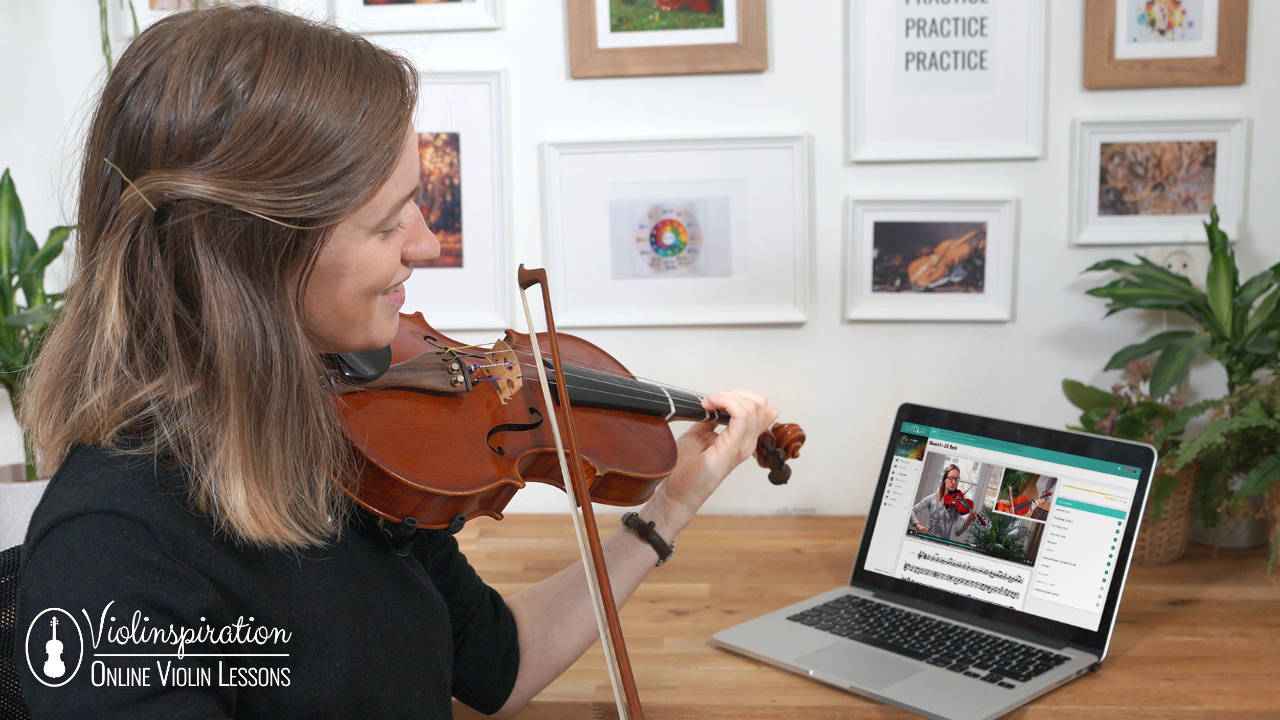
[842, 382]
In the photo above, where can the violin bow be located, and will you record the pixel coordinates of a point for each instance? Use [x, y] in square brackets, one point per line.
[579, 495]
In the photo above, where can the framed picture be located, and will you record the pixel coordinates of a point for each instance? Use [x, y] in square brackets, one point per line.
[678, 232]
[936, 258]
[460, 126]
[613, 38]
[1164, 43]
[378, 16]
[945, 81]
[1145, 181]
[149, 11]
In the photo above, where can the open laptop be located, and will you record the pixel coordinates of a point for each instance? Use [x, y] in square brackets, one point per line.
[968, 612]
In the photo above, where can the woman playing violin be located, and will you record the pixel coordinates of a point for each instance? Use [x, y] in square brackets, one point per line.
[943, 517]
[246, 207]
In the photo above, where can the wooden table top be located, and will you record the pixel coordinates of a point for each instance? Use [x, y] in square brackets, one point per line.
[1197, 638]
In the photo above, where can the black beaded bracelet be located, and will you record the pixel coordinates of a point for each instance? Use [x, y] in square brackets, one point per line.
[648, 534]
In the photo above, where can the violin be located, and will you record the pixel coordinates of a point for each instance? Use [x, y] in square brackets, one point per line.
[1021, 505]
[450, 432]
[955, 500]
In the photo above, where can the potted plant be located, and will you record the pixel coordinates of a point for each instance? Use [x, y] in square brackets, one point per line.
[25, 306]
[1237, 324]
[1128, 411]
[1240, 452]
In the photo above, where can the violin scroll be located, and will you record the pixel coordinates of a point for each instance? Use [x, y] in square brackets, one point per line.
[776, 446]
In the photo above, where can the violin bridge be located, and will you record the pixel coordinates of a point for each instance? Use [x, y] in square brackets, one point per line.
[504, 369]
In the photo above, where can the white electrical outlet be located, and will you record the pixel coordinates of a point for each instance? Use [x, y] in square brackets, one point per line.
[1189, 261]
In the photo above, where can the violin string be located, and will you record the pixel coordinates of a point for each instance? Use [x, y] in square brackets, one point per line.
[580, 364]
[624, 382]
[628, 391]
[608, 371]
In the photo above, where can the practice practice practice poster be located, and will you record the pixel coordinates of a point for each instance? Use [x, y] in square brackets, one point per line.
[946, 79]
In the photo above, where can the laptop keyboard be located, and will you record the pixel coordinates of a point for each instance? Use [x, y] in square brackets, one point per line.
[961, 649]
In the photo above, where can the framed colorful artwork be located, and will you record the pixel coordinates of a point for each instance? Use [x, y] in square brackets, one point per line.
[382, 16]
[462, 160]
[1164, 43]
[945, 81]
[612, 38]
[678, 232]
[930, 258]
[1148, 181]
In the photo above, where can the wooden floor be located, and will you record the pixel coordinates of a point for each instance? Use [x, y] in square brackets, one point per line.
[1199, 638]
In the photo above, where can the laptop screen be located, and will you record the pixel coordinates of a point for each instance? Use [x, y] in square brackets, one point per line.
[1017, 524]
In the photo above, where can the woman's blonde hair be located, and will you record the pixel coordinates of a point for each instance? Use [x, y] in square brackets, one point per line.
[226, 145]
[942, 481]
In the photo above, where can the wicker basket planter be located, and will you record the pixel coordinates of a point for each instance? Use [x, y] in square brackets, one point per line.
[1271, 501]
[1164, 539]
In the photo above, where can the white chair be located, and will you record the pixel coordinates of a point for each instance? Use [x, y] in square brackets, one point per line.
[18, 501]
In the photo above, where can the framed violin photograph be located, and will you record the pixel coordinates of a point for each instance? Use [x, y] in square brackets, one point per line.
[616, 38]
[929, 258]
[462, 160]
[678, 232]
[1164, 43]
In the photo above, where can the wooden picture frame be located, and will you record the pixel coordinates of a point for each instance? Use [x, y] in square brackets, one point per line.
[588, 60]
[1102, 71]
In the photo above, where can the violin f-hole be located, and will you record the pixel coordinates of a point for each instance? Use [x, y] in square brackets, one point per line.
[511, 427]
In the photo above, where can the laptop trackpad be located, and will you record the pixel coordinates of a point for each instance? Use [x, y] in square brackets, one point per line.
[871, 670]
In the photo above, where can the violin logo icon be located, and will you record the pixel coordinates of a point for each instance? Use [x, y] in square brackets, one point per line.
[53, 646]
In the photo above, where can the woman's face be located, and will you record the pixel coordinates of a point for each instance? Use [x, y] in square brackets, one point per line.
[952, 480]
[353, 298]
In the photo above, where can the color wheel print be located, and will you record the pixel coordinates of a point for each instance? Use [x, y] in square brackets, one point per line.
[668, 238]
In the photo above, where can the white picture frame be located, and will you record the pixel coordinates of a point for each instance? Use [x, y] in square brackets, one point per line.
[1104, 209]
[477, 295]
[915, 96]
[734, 214]
[355, 16]
[980, 229]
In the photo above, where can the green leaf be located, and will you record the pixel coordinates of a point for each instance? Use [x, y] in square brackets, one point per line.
[1206, 445]
[1221, 281]
[1174, 363]
[13, 225]
[34, 316]
[1158, 276]
[1153, 344]
[1112, 264]
[1265, 316]
[1257, 285]
[1261, 477]
[1179, 421]
[1263, 345]
[1090, 419]
[52, 248]
[1087, 397]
